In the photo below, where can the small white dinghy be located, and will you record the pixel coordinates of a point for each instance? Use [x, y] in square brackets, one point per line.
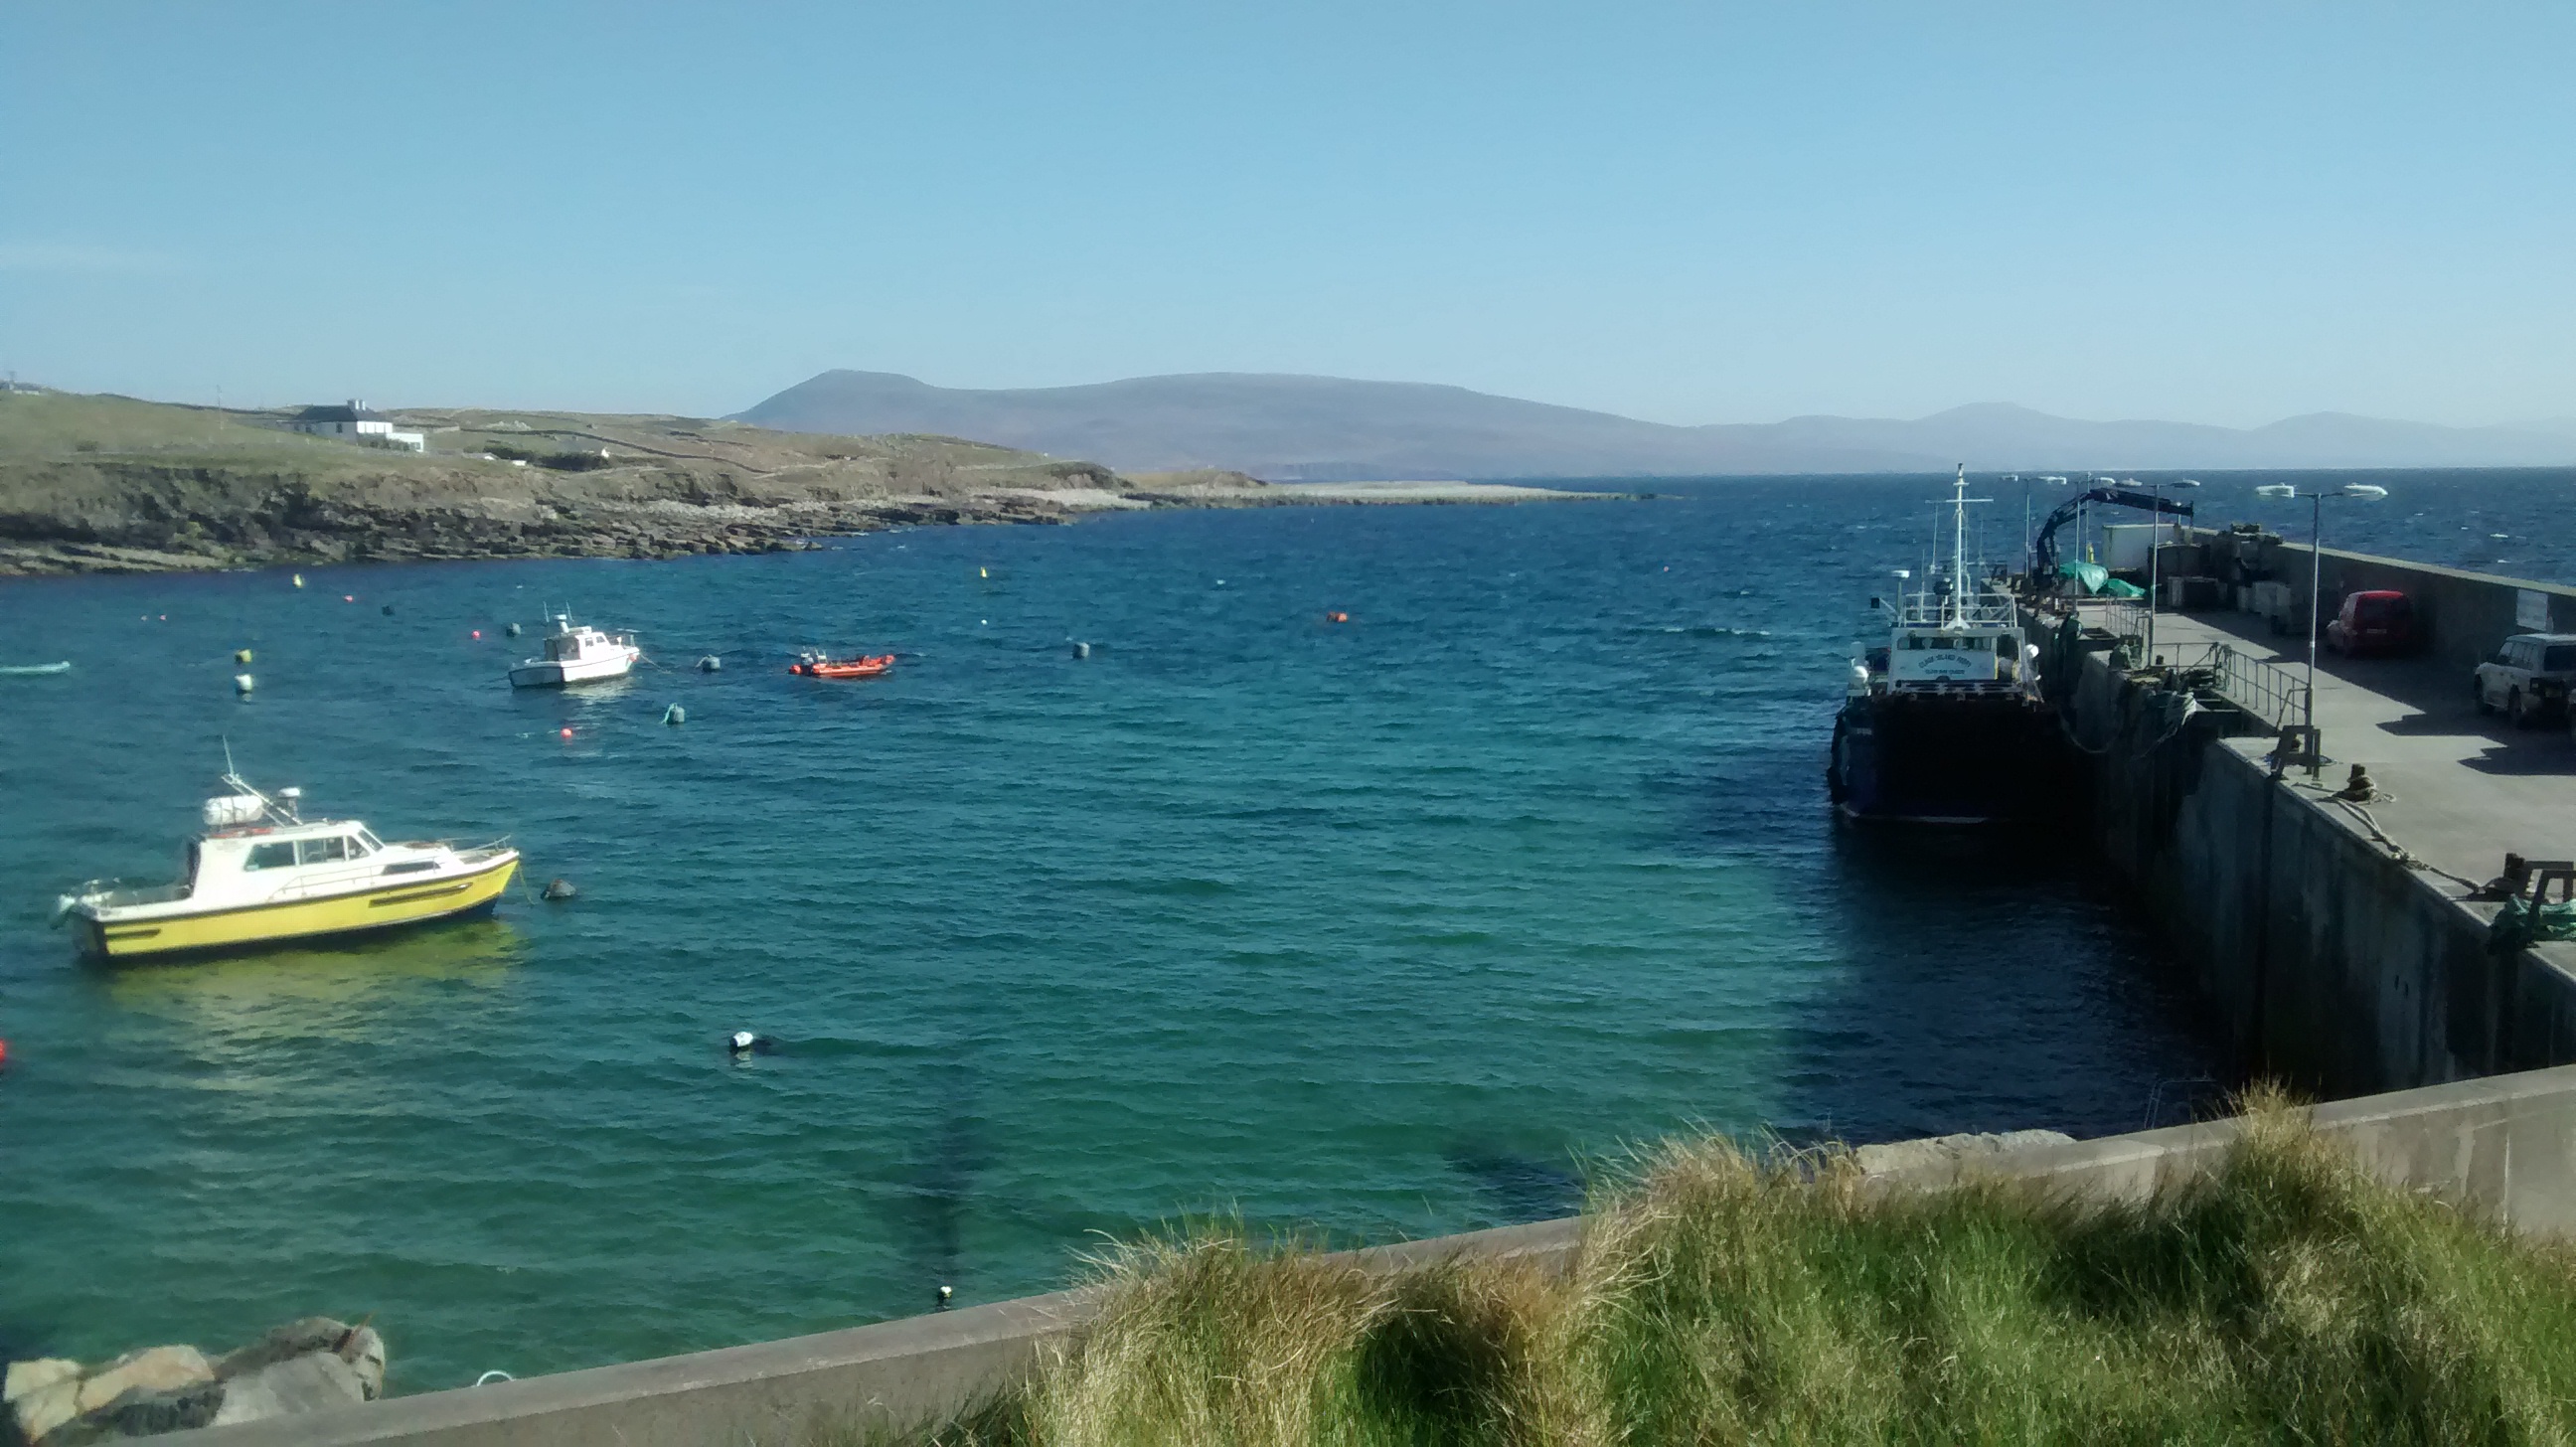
[577, 654]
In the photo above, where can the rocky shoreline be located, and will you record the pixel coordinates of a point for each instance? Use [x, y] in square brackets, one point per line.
[114, 485]
[300, 1367]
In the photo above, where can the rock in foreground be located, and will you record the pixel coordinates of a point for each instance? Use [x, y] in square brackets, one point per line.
[300, 1367]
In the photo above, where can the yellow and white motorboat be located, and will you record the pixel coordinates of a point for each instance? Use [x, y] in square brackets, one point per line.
[263, 874]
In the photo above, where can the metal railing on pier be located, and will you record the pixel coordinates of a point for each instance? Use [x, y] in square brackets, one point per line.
[2265, 690]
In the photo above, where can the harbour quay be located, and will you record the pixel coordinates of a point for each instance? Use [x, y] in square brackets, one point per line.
[2343, 926]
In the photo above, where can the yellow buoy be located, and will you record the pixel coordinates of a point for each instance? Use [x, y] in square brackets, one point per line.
[299, 580]
[981, 573]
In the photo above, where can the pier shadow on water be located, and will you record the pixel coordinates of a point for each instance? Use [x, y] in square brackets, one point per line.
[1990, 980]
[926, 1199]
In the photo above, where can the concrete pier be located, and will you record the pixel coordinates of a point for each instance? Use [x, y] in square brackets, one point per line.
[2332, 936]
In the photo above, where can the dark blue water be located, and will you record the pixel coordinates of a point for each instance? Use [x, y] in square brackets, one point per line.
[1383, 928]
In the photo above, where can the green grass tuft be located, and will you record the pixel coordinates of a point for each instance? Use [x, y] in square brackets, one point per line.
[1718, 1298]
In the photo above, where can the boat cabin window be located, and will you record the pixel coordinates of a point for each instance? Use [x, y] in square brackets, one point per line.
[280, 855]
[368, 838]
[321, 851]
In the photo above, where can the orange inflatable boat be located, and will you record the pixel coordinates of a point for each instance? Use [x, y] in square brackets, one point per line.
[814, 665]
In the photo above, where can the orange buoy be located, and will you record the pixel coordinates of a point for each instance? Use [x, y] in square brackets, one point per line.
[478, 633]
[567, 733]
[1337, 617]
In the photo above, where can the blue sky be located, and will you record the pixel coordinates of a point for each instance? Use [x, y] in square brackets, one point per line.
[1694, 213]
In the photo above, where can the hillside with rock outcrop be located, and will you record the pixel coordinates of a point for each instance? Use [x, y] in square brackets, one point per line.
[106, 484]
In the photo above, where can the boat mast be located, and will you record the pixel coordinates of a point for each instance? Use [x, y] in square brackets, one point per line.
[1956, 614]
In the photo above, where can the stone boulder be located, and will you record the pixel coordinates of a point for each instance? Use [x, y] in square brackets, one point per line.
[300, 1367]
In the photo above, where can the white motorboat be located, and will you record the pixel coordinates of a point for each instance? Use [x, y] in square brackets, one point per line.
[577, 654]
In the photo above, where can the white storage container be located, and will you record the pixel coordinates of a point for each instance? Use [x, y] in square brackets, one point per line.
[232, 811]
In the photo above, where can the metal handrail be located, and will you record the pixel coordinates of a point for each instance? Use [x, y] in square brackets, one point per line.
[2266, 690]
[2125, 619]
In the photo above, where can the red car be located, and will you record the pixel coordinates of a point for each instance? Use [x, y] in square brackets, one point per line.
[2380, 621]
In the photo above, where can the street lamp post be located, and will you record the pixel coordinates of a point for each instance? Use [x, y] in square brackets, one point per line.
[2283, 492]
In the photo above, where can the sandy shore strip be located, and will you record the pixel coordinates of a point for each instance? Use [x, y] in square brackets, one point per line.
[1429, 492]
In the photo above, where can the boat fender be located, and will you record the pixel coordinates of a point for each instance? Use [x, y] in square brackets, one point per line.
[512, 630]
[675, 715]
[559, 889]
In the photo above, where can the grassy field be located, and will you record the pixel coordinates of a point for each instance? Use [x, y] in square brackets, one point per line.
[62, 426]
[65, 426]
[2288, 1298]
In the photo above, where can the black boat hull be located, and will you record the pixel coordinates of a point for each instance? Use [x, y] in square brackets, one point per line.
[1949, 758]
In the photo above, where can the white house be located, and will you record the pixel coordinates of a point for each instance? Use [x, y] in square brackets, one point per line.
[354, 422]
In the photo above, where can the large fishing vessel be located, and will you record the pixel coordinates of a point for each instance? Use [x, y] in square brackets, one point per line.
[261, 874]
[1945, 724]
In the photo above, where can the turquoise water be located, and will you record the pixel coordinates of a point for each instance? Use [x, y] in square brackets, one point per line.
[1381, 929]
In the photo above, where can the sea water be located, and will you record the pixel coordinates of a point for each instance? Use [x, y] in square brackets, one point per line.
[1382, 928]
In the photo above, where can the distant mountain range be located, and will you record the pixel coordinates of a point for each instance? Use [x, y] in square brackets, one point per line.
[1293, 428]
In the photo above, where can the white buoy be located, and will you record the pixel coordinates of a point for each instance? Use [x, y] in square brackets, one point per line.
[243, 683]
[1082, 650]
[675, 715]
[710, 664]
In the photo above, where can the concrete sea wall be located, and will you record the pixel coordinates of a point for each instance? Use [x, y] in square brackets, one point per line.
[2325, 958]
[2505, 1146]
[2465, 614]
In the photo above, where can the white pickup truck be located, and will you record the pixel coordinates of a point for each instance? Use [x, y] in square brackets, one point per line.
[2528, 678]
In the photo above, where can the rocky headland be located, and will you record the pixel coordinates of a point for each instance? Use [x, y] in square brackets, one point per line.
[111, 484]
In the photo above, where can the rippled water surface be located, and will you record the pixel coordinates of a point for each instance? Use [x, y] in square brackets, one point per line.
[1383, 928]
